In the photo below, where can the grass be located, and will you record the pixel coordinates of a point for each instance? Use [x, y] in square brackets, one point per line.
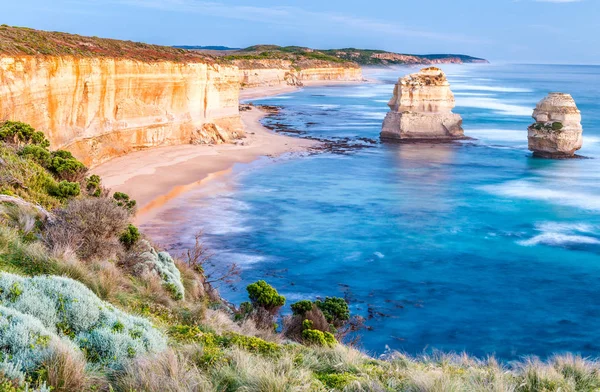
[18, 41]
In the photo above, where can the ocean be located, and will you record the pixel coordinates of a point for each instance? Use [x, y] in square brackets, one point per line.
[472, 246]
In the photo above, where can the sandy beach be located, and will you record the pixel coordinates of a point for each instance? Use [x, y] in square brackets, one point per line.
[155, 176]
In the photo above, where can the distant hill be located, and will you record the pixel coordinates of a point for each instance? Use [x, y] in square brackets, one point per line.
[365, 57]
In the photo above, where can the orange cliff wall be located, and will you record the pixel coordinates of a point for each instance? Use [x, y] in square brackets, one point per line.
[101, 108]
[260, 73]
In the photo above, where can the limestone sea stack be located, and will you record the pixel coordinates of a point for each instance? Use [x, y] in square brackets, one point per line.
[421, 109]
[557, 131]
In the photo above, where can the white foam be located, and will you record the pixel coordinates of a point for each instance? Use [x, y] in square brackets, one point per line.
[375, 115]
[379, 255]
[494, 105]
[526, 190]
[558, 239]
[323, 106]
[472, 87]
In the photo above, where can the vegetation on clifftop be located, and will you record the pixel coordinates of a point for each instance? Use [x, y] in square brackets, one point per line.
[19, 41]
[349, 56]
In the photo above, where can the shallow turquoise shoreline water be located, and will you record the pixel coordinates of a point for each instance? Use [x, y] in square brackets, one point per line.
[474, 246]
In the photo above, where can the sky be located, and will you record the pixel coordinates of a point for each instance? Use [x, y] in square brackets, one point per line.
[524, 31]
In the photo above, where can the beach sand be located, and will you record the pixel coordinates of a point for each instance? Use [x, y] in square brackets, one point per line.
[154, 176]
[157, 175]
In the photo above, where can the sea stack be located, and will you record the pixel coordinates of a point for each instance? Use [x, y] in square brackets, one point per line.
[421, 109]
[557, 131]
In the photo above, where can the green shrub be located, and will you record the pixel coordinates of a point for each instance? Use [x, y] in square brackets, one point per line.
[65, 189]
[130, 236]
[66, 167]
[318, 338]
[37, 153]
[557, 126]
[15, 132]
[336, 381]
[265, 296]
[123, 200]
[302, 307]
[335, 309]
[93, 185]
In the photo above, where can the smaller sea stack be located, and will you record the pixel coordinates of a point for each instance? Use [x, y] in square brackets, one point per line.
[557, 131]
[421, 109]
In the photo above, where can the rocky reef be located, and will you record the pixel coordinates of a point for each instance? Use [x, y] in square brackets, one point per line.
[421, 109]
[557, 131]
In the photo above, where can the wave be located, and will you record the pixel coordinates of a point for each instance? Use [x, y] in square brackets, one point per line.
[558, 239]
[325, 106]
[527, 190]
[474, 95]
[563, 234]
[495, 105]
[375, 115]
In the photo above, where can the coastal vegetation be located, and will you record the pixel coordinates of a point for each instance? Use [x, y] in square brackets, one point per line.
[87, 303]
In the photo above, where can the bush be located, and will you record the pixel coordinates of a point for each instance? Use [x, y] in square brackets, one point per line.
[88, 226]
[316, 337]
[66, 167]
[300, 308]
[557, 126]
[265, 296]
[15, 132]
[106, 335]
[130, 236]
[162, 264]
[335, 309]
[124, 201]
[65, 190]
[37, 153]
[24, 341]
[93, 186]
[294, 326]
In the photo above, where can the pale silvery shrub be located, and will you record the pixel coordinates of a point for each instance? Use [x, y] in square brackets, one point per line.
[163, 264]
[24, 342]
[64, 306]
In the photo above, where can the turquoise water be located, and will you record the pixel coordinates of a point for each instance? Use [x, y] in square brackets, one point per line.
[474, 246]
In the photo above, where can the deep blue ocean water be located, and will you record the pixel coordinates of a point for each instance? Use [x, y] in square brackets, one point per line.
[473, 246]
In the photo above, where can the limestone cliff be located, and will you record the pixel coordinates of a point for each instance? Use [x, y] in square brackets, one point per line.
[100, 108]
[275, 72]
[557, 131]
[421, 108]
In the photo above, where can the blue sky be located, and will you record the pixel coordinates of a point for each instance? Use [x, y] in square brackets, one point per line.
[535, 31]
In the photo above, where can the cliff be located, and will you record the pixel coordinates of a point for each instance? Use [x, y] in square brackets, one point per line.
[421, 108]
[274, 72]
[557, 131]
[103, 98]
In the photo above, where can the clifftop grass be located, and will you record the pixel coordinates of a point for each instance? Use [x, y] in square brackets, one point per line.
[22, 41]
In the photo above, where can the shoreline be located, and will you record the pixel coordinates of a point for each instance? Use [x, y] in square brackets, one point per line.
[155, 176]
[271, 91]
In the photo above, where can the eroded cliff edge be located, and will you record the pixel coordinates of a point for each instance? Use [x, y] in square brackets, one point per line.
[100, 107]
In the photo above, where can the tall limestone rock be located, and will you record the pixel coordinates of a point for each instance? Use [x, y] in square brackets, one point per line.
[421, 109]
[557, 131]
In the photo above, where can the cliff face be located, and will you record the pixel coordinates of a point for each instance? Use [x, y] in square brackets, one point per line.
[421, 108]
[557, 132]
[255, 73]
[99, 107]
